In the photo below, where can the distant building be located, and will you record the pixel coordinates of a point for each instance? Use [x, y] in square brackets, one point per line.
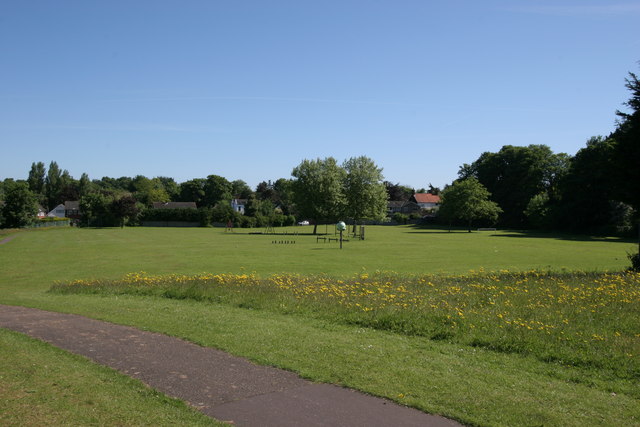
[72, 209]
[238, 205]
[42, 213]
[426, 200]
[57, 212]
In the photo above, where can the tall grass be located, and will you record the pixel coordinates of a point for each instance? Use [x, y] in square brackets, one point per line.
[589, 320]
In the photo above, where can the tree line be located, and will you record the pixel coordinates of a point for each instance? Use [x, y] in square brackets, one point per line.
[596, 191]
[321, 190]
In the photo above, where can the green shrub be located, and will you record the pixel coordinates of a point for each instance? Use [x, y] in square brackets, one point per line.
[635, 261]
[400, 218]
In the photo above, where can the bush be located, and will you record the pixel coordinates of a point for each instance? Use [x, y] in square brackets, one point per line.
[400, 218]
[635, 262]
[248, 222]
[290, 220]
[205, 216]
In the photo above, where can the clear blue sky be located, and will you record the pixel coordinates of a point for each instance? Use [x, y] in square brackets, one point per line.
[248, 89]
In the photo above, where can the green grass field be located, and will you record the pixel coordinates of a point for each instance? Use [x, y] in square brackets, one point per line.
[472, 384]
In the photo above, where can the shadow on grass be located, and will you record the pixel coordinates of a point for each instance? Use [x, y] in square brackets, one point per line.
[522, 234]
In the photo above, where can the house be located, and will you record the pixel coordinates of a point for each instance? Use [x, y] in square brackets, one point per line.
[174, 205]
[42, 213]
[394, 206]
[426, 200]
[238, 205]
[405, 207]
[57, 212]
[72, 209]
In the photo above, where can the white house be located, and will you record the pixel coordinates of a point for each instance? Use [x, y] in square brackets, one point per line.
[238, 205]
[57, 212]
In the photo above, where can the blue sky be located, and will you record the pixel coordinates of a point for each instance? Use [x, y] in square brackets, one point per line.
[248, 89]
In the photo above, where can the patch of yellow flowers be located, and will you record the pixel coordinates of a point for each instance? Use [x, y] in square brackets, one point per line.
[562, 305]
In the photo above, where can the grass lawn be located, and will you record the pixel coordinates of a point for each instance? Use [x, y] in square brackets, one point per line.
[43, 385]
[473, 385]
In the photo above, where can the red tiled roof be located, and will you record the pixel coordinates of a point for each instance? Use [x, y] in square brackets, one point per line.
[426, 198]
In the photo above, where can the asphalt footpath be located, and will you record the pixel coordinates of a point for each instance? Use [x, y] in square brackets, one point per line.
[222, 386]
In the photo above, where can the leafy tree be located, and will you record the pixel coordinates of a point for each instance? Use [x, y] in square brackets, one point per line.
[467, 200]
[216, 189]
[397, 191]
[121, 184]
[223, 212]
[84, 185]
[69, 189]
[147, 191]
[265, 191]
[318, 191]
[170, 187]
[587, 188]
[284, 195]
[364, 189]
[20, 205]
[627, 148]
[124, 209]
[256, 206]
[240, 189]
[36, 178]
[5, 185]
[434, 190]
[53, 185]
[538, 211]
[513, 176]
[95, 208]
[193, 191]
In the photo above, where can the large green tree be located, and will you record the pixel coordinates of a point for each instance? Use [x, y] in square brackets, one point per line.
[20, 206]
[468, 201]
[216, 189]
[53, 185]
[193, 191]
[318, 190]
[627, 147]
[124, 209]
[147, 191]
[284, 195]
[587, 189]
[364, 189]
[84, 185]
[240, 189]
[36, 178]
[398, 192]
[96, 208]
[514, 175]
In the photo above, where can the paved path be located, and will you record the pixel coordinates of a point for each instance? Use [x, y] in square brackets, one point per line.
[220, 385]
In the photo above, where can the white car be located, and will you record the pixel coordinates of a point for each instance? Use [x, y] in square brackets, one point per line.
[303, 223]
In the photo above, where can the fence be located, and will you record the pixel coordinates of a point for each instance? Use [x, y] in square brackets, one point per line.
[57, 223]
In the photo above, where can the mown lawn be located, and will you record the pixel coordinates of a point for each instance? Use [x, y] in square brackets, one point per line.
[461, 379]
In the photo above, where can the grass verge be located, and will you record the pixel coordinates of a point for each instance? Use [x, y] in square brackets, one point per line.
[43, 385]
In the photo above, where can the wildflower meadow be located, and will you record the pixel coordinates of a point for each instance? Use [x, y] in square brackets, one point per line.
[578, 319]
